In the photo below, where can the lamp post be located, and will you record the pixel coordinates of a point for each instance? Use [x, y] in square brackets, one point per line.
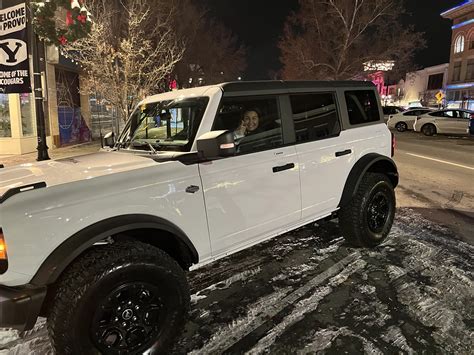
[42, 147]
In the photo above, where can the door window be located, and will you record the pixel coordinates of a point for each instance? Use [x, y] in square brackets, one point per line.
[255, 123]
[362, 107]
[315, 116]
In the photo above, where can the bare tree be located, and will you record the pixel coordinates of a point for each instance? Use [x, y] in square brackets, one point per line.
[128, 53]
[333, 39]
[212, 52]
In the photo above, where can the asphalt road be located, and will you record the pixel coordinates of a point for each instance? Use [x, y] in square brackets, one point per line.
[437, 179]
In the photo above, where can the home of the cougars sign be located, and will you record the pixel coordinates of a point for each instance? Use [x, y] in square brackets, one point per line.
[14, 65]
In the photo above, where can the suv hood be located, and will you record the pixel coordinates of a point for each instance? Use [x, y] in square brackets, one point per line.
[55, 172]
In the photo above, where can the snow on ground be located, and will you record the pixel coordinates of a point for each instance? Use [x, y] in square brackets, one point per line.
[307, 291]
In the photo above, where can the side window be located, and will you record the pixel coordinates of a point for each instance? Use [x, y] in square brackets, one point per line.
[438, 114]
[411, 113]
[255, 122]
[362, 107]
[315, 116]
[450, 114]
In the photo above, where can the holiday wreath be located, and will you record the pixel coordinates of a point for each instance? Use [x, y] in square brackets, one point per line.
[61, 21]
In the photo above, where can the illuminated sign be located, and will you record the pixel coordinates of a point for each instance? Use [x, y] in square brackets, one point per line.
[379, 66]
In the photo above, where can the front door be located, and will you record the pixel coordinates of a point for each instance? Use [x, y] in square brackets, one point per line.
[256, 193]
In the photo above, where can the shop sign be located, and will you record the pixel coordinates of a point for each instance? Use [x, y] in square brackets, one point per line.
[14, 64]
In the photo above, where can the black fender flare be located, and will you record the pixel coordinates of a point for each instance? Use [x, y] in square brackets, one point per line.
[72, 247]
[371, 162]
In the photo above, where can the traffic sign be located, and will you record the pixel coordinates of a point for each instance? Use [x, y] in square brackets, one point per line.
[440, 96]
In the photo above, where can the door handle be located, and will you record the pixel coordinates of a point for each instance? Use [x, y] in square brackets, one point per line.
[277, 169]
[343, 152]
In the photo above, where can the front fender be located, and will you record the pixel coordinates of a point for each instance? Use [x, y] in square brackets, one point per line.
[70, 249]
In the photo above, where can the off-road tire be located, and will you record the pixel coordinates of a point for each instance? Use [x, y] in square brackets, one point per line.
[92, 277]
[353, 218]
[401, 126]
[429, 129]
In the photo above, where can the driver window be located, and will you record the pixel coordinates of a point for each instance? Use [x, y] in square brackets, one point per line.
[255, 123]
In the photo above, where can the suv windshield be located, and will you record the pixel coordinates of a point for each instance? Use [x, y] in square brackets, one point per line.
[164, 125]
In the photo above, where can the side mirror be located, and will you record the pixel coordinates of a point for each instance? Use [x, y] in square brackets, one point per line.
[109, 140]
[216, 144]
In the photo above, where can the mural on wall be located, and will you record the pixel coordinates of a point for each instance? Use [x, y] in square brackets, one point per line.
[72, 126]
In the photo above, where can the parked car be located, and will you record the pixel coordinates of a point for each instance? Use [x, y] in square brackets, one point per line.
[449, 121]
[99, 244]
[404, 120]
[390, 110]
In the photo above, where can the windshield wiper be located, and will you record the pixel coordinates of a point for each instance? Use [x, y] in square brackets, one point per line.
[143, 144]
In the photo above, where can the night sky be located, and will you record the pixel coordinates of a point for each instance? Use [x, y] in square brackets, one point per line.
[259, 24]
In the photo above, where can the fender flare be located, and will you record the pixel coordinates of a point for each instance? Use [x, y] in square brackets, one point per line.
[72, 247]
[372, 162]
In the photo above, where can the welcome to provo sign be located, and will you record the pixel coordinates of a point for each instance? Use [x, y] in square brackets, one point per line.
[14, 66]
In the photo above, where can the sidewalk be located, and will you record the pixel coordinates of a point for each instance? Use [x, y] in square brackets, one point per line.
[75, 150]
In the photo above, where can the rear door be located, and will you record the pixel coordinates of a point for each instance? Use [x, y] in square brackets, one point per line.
[325, 158]
[256, 193]
[447, 123]
[462, 122]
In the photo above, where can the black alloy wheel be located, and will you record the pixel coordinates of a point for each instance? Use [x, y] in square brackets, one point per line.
[378, 212]
[428, 129]
[123, 298]
[401, 126]
[129, 318]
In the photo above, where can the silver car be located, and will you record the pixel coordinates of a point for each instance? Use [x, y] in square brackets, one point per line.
[403, 121]
[449, 121]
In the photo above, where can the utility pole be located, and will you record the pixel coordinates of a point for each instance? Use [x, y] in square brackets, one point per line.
[42, 147]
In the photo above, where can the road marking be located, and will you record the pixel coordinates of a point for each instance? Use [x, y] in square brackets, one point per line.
[441, 161]
[233, 333]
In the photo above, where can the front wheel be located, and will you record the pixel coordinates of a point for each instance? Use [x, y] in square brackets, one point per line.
[123, 298]
[368, 218]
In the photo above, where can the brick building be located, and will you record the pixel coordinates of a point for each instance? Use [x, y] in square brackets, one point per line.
[460, 88]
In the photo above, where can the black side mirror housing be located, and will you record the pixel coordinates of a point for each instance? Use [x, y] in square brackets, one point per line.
[109, 140]
[216, 144]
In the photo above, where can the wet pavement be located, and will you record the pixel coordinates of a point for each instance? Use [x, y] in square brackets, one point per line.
[308, 292]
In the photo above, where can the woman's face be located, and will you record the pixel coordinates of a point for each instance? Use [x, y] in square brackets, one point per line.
[251, 120]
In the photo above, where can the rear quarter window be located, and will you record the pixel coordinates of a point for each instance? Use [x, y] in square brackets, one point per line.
[362, 107]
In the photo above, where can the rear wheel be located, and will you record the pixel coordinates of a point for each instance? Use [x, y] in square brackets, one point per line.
[429, 129]
[368, 218]
[119, 299]
[401, 126]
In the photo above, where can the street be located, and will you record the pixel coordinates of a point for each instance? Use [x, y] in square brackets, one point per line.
[437, 179]
[308, 291]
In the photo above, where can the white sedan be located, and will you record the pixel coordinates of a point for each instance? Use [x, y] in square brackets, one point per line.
[450, 121]
[403, 121]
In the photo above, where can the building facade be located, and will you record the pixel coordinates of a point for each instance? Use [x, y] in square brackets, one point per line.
[460, 88]
[67, 111]
[421, 86]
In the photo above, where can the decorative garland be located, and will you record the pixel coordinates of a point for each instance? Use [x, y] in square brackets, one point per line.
[59, 22]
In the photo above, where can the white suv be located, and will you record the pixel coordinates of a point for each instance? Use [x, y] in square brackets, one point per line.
[99, 244]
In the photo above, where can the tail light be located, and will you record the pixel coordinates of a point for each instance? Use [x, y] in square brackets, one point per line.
[472, 116]
[394, 144]
[3, 254]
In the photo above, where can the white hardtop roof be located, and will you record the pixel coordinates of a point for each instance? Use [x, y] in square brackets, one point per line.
[172, 95]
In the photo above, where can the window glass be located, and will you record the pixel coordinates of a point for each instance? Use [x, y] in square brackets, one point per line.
[464, 114]
[459, 44]
[166, 125]
[437, 114]
[411, 113]
[27, 125]
[457, 71]
[255, 123]
[470, 69]
[315, 116]
[362, 107]
[5, 127]
[451, 114]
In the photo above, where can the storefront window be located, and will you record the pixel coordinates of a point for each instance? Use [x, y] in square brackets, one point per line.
[27, 122]
[5, 126]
